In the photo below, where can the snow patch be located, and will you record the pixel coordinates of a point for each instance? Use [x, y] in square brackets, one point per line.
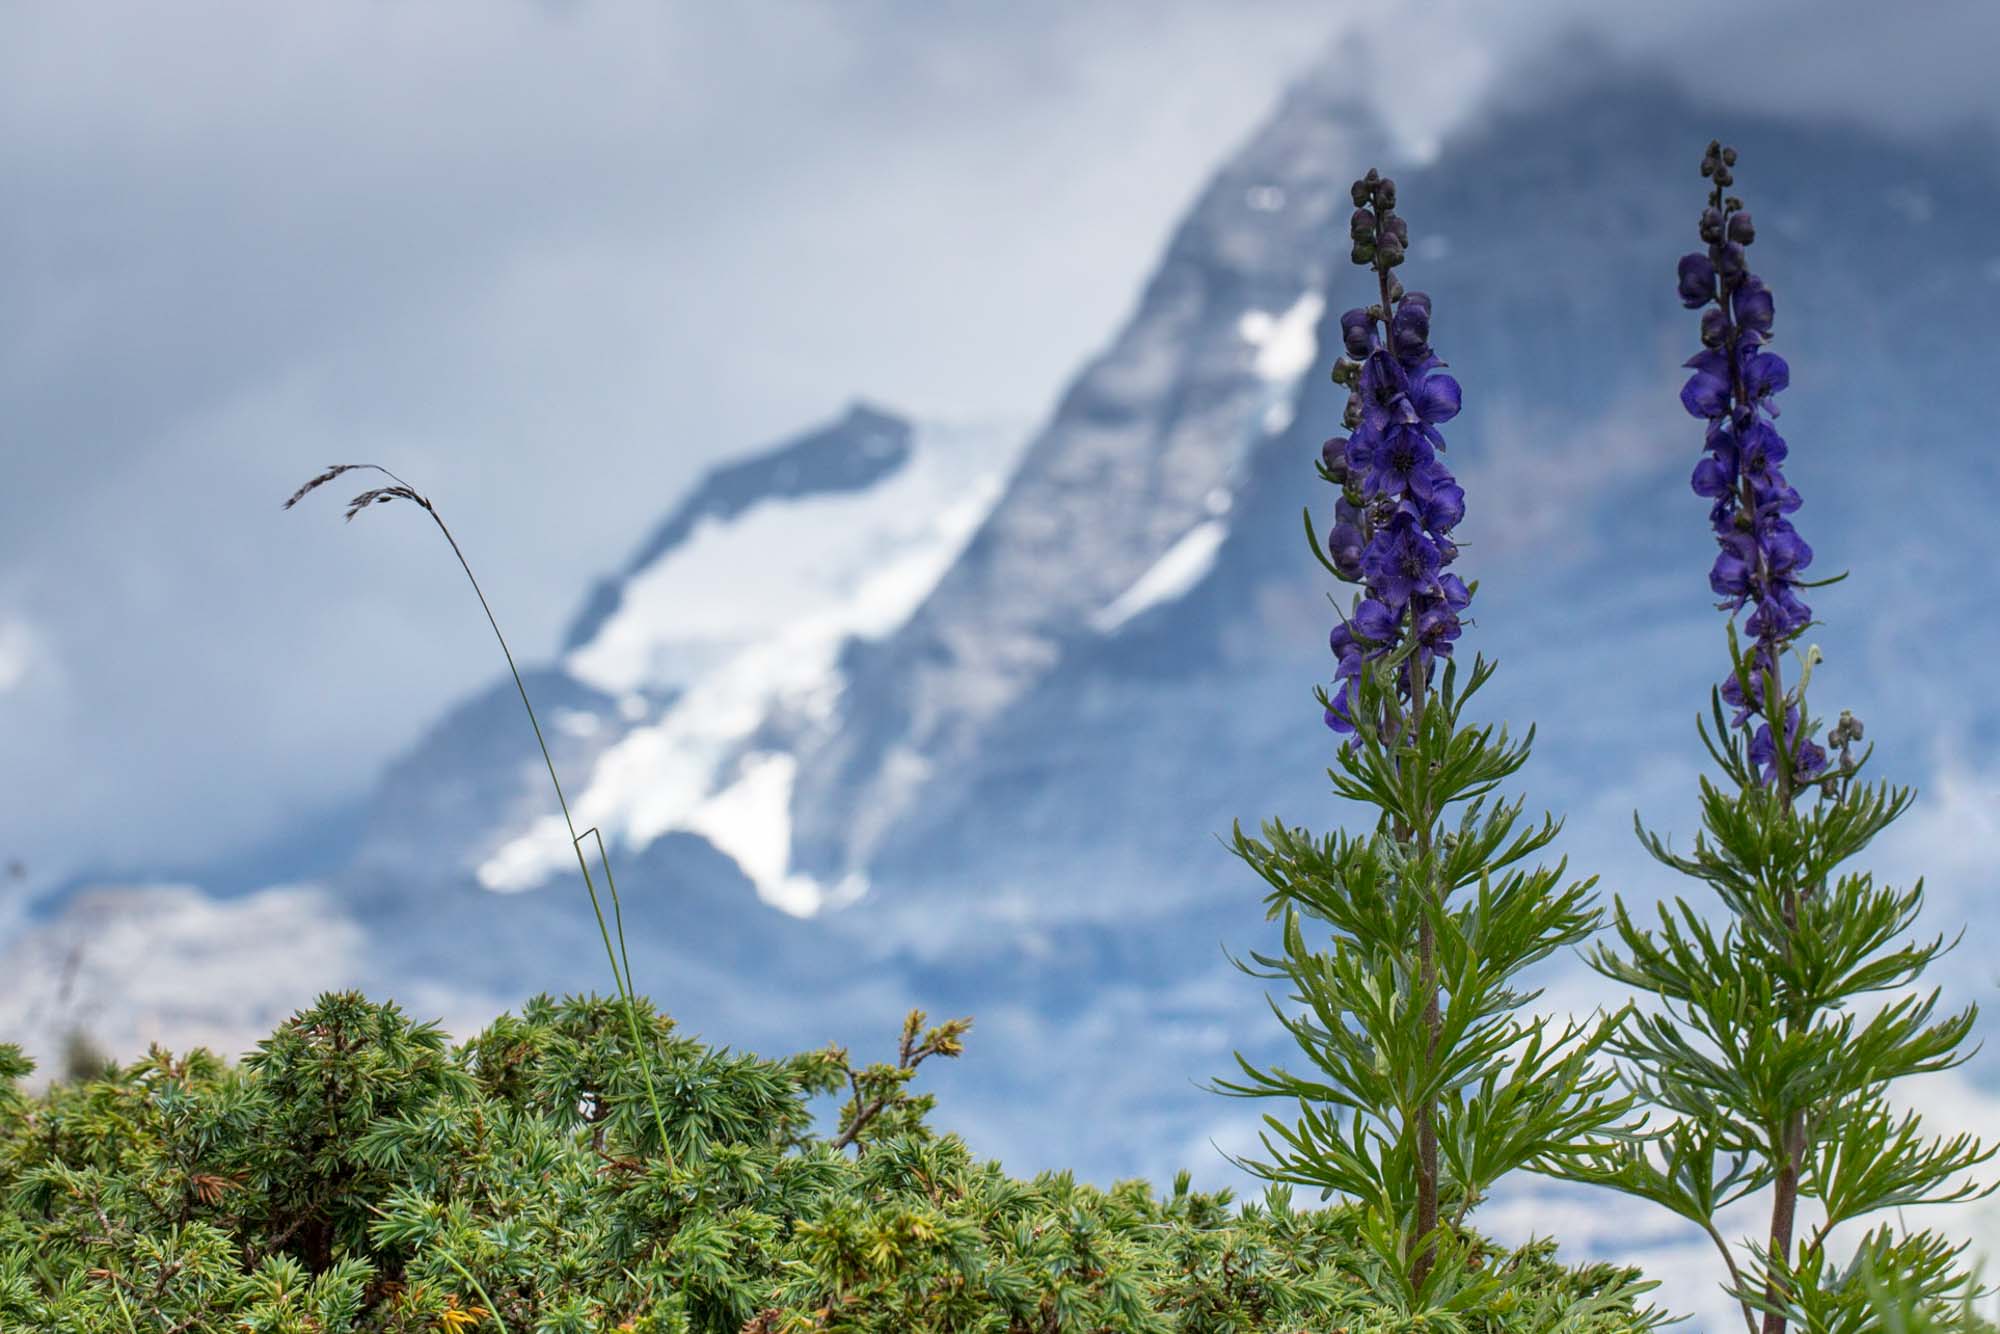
[858, 559]
[750, 821]
[746, 619]
[1172, 576]
[1287, 344]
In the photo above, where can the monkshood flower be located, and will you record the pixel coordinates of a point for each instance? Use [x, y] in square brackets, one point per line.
[1412, 1015]
[1757, 1044]
[1399, 502]
[1734, 388]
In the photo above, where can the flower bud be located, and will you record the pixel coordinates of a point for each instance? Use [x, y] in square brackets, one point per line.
[1389, 255]
[1729, 259]
[1711, 226]
[1741, 229]
[1714, 327]
[1393, 226]
[1361, 226]
[1357, 331]
[1362, 253]
[1343, 547]
[1385, 193]
[1724, 177]
[1350, 417]
[1697, 280]
[1728, 157]
[1410, 329]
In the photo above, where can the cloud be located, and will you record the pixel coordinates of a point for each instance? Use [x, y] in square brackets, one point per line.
[1843, 60]
[19, 649]
[119, 962]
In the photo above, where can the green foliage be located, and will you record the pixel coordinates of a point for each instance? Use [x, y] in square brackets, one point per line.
[359, 1174]
[1413, 1014]
[1896, 1304]
[1768, 1058]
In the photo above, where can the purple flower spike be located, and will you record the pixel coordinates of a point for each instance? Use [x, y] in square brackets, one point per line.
[1399, 502]
[1734, 387]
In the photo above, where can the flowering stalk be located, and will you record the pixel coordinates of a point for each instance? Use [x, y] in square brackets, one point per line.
[1764, 1074]
[1434, 1084]
[1398, 503]
[1734, 388]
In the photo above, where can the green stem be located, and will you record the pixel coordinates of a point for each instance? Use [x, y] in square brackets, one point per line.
[1773, 706]
[1423, 1241]
[621, 976]
[123, 1309]
[466, 1274]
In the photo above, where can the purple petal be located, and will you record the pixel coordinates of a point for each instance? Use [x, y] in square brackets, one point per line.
[1712, 479]
[1753, 306]
[1373, 620]
[1697, 280]
[1357, 332]
[1705, 395]
[1438, 398]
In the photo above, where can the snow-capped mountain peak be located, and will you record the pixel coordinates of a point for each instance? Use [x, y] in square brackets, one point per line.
[724, 643]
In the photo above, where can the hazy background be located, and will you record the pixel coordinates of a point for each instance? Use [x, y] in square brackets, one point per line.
[548, 261]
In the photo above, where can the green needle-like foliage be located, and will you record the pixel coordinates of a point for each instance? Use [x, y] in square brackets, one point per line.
[1401, 1033]
[358, 1175]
